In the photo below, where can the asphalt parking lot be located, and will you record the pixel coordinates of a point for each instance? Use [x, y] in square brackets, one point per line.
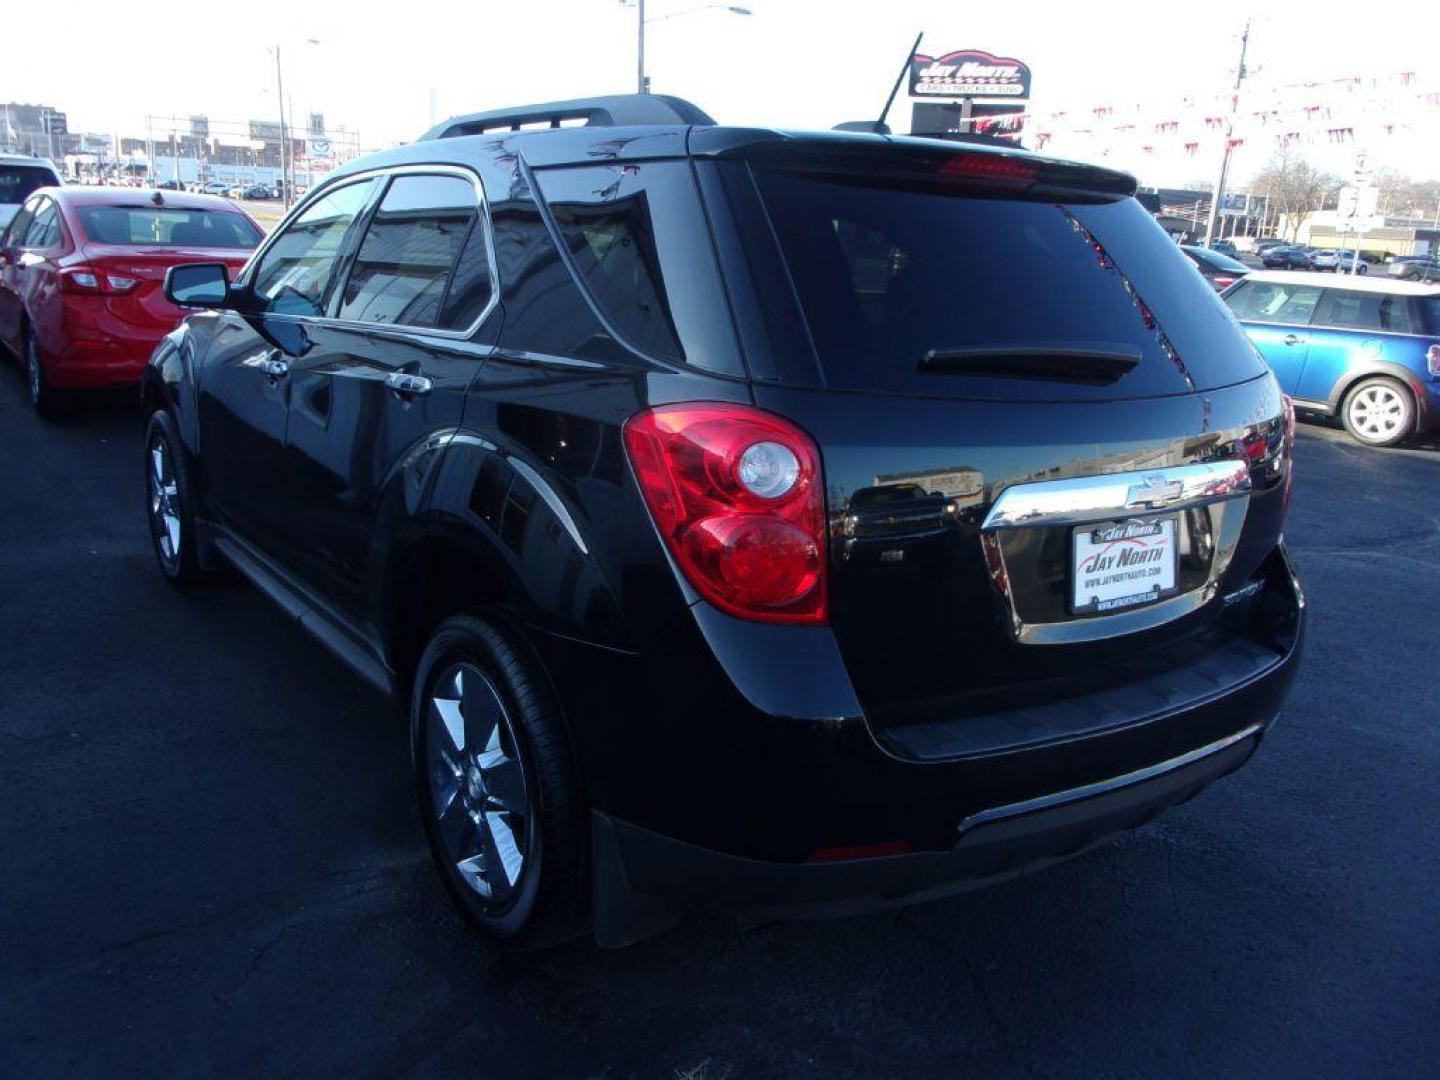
[211, 863]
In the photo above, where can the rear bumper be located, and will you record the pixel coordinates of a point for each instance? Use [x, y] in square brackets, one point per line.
[730, 807]
[91, 347]
[645, 882]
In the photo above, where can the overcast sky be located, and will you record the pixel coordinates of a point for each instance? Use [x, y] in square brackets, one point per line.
[791, 63]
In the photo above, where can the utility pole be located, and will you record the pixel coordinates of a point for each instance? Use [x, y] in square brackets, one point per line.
[284, 148]
[641, 82]
[1219, 193]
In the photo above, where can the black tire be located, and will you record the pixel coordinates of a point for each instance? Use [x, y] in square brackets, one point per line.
[1389, 418]
[170, 502]
[44, 398]
[547, 901]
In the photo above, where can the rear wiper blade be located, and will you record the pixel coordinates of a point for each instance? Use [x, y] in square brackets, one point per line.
[1089, 365]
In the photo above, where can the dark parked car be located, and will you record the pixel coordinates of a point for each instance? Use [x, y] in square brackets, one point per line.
[1219, 270]
[1224, 247]
[1286, 257]
[728, 539]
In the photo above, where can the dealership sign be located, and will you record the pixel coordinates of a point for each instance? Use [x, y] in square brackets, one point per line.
[969, 73]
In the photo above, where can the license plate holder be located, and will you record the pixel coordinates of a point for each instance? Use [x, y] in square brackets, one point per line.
[1118, 565]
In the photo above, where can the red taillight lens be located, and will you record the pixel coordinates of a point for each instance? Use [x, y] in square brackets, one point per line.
[1223, 282]
[1432, 359]
[1289, 404]
[738, 497]
[90, 280]
[997, 168]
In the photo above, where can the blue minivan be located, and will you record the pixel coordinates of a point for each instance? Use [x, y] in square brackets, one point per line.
[1365, 350]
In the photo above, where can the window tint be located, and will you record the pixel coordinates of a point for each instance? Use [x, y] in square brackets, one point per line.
[19, 225]
[1364, 311]
[892, 281]
[295, 275]
[613, 246]
[44, 230]
[403, 270]
[1430, 314]
[18, 181]
[166, 226]
[1268, 301]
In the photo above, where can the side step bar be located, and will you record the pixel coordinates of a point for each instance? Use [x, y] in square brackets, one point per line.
[328, 629]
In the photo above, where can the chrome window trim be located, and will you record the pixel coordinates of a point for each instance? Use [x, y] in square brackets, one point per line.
[482, 207]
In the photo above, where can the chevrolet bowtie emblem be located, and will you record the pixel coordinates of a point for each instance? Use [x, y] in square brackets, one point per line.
[1155, 491]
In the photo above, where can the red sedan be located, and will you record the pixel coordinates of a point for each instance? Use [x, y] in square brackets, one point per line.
[82, 272]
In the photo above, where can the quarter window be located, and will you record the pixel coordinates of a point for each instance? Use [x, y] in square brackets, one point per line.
[1364, 311]
[1268, 301]
[296, 272]
[407, 264]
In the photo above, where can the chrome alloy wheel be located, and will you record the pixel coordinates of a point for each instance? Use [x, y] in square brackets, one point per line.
[1377, 412]
[477, 783]
[164, 503]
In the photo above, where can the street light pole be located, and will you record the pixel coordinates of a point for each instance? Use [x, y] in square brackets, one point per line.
[640, 87]
[284, 147]
[1219, 192]
[641, 79]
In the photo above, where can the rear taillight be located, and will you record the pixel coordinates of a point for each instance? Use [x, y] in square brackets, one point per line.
[738, 497]
[90, 279]
[1223, 282]
[1289, 404]
[1432, 360]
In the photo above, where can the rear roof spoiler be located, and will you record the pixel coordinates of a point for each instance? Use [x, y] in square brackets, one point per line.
[615, 110]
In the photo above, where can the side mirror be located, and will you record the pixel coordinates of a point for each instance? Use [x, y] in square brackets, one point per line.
[198, 285]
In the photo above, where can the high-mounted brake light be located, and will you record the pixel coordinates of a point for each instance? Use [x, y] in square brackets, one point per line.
[996, 168]
[738, 497]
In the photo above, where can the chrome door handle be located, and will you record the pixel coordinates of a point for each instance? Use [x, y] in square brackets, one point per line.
[1291, 339]
[275, 369]
[403, 383]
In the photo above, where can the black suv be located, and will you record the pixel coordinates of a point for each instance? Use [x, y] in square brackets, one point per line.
[733, 534]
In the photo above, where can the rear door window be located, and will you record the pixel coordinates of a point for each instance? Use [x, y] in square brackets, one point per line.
[1274, 302]
[903, 289]
[403, 271]
[1363, 311]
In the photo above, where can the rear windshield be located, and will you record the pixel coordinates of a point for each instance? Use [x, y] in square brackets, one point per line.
[18, 181]
[166, 226]
[1216, 261]
[917, 291]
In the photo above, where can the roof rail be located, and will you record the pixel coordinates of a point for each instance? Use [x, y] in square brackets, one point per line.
[615, 110]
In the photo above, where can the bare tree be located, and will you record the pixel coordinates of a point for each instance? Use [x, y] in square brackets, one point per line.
[1294, 187]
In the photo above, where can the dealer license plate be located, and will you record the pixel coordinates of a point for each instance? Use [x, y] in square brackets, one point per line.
[1123, 564]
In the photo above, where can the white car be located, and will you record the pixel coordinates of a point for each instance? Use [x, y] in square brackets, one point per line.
[20, 174]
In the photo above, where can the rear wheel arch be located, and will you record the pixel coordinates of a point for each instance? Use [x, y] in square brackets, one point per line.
[430, 579]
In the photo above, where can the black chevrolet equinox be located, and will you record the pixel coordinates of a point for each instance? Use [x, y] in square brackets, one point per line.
[789, 523]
